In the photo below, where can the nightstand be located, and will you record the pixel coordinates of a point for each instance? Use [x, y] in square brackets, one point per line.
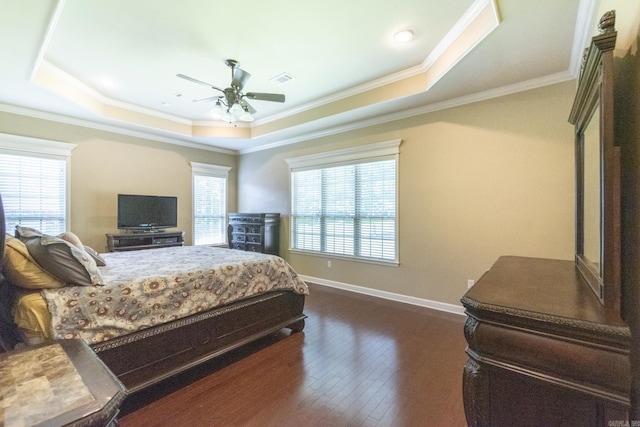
[58, 384]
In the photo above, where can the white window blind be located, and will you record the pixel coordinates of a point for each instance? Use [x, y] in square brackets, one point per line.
[33, 183]
[209, 203]
[349, 208]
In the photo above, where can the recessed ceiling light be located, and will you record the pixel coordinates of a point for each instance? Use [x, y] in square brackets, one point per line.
[107, 82]
[404, 36]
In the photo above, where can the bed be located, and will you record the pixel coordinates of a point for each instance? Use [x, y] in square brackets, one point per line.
[148, 314]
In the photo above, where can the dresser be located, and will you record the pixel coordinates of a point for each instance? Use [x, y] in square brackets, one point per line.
[254, 232]
[547, 344]
[542, 350]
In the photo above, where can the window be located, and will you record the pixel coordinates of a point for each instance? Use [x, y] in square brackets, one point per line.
[209, 203]
[344, 202]
[34, 183]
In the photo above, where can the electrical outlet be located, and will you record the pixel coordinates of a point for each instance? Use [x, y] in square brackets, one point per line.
[470, 283]
[329, 263]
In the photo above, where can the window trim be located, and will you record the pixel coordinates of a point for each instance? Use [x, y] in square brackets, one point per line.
[17, 145]
[215, 171]
[353, 155]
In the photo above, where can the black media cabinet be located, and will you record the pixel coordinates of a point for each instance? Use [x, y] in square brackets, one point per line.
[134, 241]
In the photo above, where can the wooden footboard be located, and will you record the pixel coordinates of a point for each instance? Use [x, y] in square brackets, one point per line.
[149, 356]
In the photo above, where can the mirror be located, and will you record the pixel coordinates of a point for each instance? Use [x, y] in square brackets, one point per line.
[598, 240]
[592, 193]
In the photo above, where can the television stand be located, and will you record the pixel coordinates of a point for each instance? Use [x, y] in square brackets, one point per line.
[135, 241]
[145, 231]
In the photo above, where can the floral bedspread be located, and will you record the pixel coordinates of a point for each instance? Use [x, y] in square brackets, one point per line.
[150, 287]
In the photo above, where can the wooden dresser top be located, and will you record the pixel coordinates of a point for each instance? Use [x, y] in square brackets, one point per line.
[544, 290]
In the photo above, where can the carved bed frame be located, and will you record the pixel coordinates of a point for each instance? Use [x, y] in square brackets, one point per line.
[146, 357]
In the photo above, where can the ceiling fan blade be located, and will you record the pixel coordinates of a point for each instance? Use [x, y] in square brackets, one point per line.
[200, 82]
[245, 103]
[209, 98]
[274, 97]
[240, 78]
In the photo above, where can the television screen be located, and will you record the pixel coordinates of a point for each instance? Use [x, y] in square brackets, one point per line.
[136, 212]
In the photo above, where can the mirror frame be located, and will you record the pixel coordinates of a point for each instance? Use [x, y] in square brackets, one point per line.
[595, 89]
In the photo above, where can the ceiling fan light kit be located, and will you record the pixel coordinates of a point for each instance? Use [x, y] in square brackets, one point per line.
[218, 111]
[235, 101]
[236, 109]
[245, 116]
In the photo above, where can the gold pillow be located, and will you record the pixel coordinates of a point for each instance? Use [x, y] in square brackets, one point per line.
[22, 270]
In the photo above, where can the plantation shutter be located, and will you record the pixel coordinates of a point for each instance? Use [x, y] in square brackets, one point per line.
[33, 183]
[347, 209]
[209, 203]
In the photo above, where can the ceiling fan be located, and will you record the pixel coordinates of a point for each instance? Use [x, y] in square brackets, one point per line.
[232, 105]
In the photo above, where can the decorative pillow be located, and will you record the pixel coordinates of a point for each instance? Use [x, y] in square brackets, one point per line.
[23, 271]
[60, 258]
[75, 240]
[26, 233]
[100, 262]
[63, 256]
[71, 238]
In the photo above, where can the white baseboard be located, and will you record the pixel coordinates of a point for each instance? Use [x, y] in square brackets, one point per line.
[449, 308]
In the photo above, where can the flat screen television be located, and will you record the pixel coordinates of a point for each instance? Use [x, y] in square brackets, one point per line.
[139, 213]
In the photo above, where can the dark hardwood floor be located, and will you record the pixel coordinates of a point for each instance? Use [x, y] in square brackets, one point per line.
[360, 361]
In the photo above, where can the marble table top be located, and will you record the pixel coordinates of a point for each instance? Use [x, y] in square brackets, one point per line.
[44, 385]
[39, 384]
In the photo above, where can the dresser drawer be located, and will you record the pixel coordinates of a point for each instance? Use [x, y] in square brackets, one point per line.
[236, 245]
[253, 247]
[254, 229]
[253, 238]
[239, 228]
[239, 237]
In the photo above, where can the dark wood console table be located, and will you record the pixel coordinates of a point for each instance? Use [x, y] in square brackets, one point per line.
[542, 350]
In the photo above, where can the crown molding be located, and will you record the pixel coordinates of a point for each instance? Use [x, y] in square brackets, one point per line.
[98, 97]
[356, 90]
[456, 102]
[48, 34]
[456, 31]
[584, 24]
[37, 114]
[430, 108]
[582, 34]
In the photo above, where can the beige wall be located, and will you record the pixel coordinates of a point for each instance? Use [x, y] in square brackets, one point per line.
[476, 182]
[104, 164]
